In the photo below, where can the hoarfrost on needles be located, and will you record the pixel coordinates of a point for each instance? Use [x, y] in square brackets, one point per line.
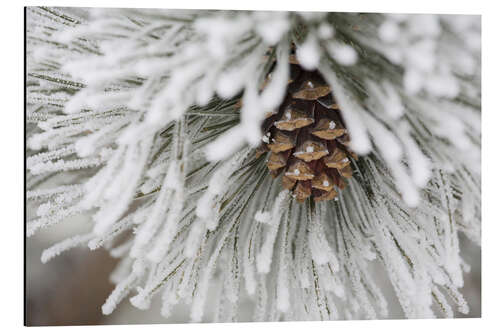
[153, 115]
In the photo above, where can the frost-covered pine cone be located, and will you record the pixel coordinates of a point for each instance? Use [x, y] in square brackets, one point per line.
[150, 121]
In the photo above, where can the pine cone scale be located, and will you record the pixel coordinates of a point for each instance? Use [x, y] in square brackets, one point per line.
[307, 139]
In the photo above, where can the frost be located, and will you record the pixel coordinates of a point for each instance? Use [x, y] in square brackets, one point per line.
[360, 141]
[226, 145]
[326, 31]
[415, 43]
[263, 217]
[271, 27]
[389, 32]
[320, 249]
[308, 53]
[67, 244]
[264, 258]
[343, 54]
[147, 119]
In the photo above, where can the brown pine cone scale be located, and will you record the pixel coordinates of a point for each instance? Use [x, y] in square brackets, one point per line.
[306, 139]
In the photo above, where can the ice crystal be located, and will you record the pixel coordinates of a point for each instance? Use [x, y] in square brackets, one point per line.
[152, 117]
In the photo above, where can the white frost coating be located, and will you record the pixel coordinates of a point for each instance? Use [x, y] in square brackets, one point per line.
[62, 165]
[206, 209]
[263, 217]
[388, 31]
[51, 219]
[144, 296]
[283, 292]
[169, 299]
[235, 79]
[136, 159]
[250, 280]
[386, 142]
[194, 238]
[222, 31]
[175, 180]
[59, 201]
[256, 106]
[121, 250]
[413, 81]
[47, 156]
[203, 208]
[417, 45]
[197, 307]
[424, 25]
[50, 192]
[325, 31]
[273, 93]
[271, 27]
[303, 255]
[400, 275]
[65, 245]
[308, 53]
[321, 252]
[171, 198]
[97, 184]
[419, 164]
[265, 256]
[394, 106]
[148, 229]
[228, 143]
[169, 229]
[386, 97]
[391, 151]
[141, 301]
[443, 85]
[344, 54]
[360, 141]
[249, 271]
[173, 177]
[184, 62]
[443, 303]
[118, 294]
[121, 226]
[231, 286]
[88, 144]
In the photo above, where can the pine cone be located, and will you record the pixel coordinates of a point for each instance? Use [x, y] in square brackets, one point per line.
[307, 139]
